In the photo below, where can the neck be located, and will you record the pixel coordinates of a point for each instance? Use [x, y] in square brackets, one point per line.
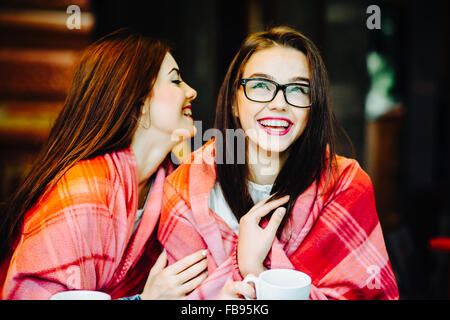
[150, 151]
[263, 165]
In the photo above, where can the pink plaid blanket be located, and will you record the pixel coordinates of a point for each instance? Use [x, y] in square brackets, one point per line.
[339, 243]
[80, 235]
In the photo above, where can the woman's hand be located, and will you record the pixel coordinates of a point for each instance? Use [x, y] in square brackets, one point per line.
[254, 242]
[177, 280]
[237, 290]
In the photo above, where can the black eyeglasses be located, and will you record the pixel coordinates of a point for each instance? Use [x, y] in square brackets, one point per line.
[265, 90]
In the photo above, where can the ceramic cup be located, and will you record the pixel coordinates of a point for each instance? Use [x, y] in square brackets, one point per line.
[281, 284]
[81, 295]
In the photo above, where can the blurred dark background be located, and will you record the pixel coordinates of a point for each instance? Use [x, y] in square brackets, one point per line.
[389, 89]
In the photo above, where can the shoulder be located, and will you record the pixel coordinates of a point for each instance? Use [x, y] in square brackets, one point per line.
[84, 189]
[88, 183]
[102, 173]
[179, 178]
[201, 161]
[91, 177]
[347, 180]
[350, 173]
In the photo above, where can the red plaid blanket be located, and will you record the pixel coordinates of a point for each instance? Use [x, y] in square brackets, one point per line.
[339, 243]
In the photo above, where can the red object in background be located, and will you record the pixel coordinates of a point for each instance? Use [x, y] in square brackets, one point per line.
[440, 243]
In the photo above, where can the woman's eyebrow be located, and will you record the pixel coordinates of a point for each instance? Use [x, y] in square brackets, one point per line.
[299, 79]
[261, 75]
[266, 76]
[176, 70]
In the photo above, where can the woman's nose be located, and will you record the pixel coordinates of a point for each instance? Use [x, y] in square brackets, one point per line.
[279, 102]
[191, 94]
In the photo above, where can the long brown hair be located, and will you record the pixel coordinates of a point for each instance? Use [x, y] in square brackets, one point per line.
[307, 156]
[100, 115]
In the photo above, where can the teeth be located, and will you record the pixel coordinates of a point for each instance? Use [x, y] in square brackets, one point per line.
[187, 112]
[274, 123]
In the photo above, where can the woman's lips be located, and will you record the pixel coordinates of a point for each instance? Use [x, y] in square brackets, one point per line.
[187, 111]
[275, 126]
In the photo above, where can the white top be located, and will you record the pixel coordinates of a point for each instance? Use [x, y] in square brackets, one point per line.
[219, 205]
[139, 213]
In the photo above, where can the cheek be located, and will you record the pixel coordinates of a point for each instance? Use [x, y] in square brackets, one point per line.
[166, 105]
[168, 97]
[246, 112]
[302, 117]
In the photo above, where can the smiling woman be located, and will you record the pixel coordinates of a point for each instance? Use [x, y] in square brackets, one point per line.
[164, 122]
[294, 203]
[84, 217]
[291, 161]
[272, 124]
[171, 95]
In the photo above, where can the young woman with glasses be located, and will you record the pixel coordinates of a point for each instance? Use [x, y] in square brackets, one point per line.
[293, 202]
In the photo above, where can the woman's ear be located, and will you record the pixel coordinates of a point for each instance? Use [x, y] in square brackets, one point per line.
[145, 120]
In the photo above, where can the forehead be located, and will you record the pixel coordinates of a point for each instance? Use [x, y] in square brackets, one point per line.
[281, 63]
[168, 63]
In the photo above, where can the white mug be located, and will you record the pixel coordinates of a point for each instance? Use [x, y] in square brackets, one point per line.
[281, 284]
[80, 295]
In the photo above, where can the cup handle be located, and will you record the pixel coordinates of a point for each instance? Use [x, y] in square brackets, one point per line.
[253, 279]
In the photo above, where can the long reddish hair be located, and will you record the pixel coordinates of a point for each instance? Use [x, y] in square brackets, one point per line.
[100, 115]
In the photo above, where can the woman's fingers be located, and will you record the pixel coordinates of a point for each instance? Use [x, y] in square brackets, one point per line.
[160, 263]
[186, 262]
[275, 221]
[192, 271]
[269, 206]
[193, 283]
[258, 205]
[167, 283]
[244, 289]
[236, 290]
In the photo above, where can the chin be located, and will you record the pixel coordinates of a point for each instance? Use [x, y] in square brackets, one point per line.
[184, 133]
[275, 147]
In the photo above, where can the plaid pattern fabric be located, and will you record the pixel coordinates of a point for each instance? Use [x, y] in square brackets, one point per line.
[335, 237]
[80, 235]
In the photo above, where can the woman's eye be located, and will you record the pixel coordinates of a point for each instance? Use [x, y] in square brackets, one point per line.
[299, 89]
[260, 85]
[306, 90]
[176, 81]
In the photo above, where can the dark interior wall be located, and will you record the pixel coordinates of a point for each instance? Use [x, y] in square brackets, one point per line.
[204, 36]
[425, 176]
